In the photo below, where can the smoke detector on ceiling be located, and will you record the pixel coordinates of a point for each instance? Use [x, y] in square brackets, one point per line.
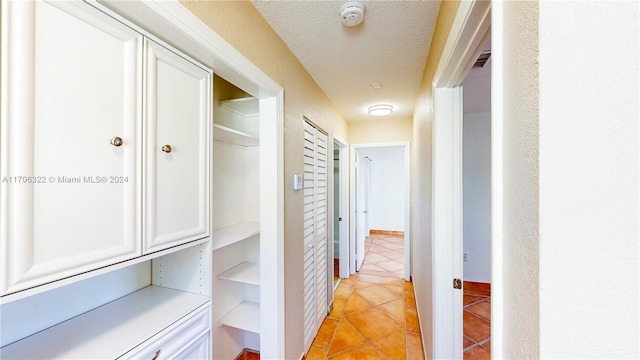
[352, 13]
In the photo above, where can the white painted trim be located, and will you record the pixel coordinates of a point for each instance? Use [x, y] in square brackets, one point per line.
[171, 24]
[497, 154]
[408, 247]
[469, 33]
[352, 210]
[407, 206]
[272, 225]
[447, 222]
[344, 205]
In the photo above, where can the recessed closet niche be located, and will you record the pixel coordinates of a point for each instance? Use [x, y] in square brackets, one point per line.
[236, 221]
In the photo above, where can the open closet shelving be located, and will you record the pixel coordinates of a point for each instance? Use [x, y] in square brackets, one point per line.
[236, 221]
[232, 234]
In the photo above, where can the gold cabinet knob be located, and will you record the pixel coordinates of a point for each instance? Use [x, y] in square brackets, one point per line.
[116, 141]
[167, 148]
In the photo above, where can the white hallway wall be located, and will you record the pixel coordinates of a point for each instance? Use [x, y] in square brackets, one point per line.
[386, 206]
[589, 162]
[570, 162]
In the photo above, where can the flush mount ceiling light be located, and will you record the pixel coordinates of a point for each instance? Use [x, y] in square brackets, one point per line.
[352, 13]
[380, 110]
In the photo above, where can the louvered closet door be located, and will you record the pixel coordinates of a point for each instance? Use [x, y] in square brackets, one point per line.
[315, 233]
[321, 228]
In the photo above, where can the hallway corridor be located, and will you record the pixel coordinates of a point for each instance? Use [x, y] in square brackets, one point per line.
[374, 312]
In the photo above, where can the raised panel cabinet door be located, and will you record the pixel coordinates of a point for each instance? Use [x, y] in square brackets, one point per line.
[178, 111]
[69, 146]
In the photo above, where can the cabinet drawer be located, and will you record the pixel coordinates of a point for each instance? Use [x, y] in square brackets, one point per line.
[188, 338]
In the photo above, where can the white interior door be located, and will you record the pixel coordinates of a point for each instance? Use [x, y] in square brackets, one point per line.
[361, 207]
[315, 231]
[343, 208]
[366, 173]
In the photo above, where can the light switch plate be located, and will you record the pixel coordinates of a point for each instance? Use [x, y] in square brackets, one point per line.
[297, 182]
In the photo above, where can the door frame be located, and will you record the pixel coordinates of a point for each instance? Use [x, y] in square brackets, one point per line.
[470, 31]
[168, 22]
[360, 192]
[343, 148]
[407, 202]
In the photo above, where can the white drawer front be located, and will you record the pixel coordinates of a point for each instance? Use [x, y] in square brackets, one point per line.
[189, 338]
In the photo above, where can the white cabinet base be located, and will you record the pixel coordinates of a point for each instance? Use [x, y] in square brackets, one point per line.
[112, 330]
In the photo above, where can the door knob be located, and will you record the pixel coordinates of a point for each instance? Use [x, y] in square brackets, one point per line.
[156, 355]
[167, 148]
[116, 141]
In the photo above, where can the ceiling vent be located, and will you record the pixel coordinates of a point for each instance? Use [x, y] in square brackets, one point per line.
[482, 59]
[352, 13]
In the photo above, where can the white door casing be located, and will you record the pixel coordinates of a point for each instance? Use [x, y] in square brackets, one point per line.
[407, 203]
[362, 206]
[343, 148]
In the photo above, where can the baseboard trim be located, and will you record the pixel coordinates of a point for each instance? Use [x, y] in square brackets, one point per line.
[386, 232]
[248, 354]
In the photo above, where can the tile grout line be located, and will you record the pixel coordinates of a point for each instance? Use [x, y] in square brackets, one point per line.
[478, 316]
[354, 287]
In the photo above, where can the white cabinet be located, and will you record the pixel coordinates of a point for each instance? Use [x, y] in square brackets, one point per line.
[177, 172]
[136, 326]
[70, 199]
[105, 161]
[73, 164]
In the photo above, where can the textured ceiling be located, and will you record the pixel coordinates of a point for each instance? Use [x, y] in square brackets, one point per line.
[389, 47]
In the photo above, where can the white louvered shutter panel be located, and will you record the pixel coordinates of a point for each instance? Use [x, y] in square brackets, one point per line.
[309, 234]
[315, 231]
[321, 228]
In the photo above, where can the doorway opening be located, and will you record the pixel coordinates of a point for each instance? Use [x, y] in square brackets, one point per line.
[476, 208]
[380, 205]
[340, 243]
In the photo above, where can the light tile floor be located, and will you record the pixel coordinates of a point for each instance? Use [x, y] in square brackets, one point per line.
[374, 312]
